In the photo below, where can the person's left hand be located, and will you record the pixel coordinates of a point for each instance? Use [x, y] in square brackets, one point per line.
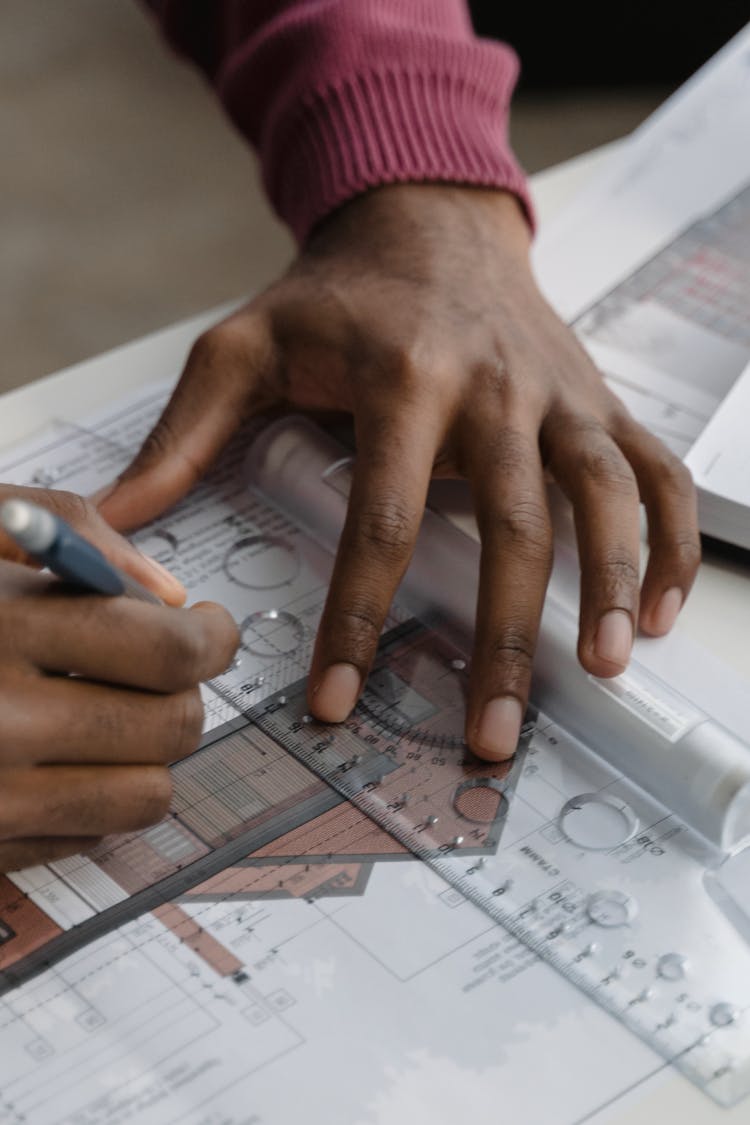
[98, 695]
[82, 514]
[415, 309]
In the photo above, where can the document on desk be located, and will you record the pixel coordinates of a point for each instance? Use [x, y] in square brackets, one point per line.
[651, 266]
[268, 952]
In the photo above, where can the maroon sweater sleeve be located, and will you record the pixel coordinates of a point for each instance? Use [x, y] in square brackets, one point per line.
[338, 96]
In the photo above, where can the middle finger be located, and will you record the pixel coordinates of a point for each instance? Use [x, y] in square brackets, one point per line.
[507, 481]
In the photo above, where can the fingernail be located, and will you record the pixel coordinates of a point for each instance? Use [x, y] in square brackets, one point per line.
[164, 574]
[614, 637]
[101, 494]
[500, 727]
[337, 693]
[665, 614]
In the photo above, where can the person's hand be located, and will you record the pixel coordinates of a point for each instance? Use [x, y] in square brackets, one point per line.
[82, 514]
[414, 308]
[84, 755]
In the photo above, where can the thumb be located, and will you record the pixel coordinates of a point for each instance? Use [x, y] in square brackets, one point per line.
[218, 389]
[83, 516]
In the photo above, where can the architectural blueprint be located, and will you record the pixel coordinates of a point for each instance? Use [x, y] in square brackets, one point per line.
[267, 950]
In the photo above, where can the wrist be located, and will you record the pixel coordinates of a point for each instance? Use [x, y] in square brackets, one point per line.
[409, 219]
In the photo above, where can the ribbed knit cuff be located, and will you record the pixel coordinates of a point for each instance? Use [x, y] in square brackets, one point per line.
[393, 124]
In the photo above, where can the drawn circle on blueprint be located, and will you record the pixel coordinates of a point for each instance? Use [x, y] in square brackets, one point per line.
[262, 562]
[418, 695]
[158, 544]
[271, 633]
[481, 800]
[597, 822]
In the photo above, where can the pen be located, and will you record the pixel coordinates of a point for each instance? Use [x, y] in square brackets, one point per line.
[53, 543]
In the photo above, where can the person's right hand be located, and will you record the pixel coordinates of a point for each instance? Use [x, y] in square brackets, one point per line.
[85, 755]
[415, 309]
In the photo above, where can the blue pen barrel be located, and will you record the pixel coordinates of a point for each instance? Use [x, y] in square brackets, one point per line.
[76, 561]
[52, 543]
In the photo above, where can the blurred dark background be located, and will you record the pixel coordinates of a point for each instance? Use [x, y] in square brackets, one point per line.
[619, 44]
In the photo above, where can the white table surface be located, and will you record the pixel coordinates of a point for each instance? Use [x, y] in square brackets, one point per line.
[717, 613]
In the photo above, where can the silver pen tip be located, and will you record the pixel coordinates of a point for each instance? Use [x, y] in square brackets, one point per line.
[32, 527]
[16, 516]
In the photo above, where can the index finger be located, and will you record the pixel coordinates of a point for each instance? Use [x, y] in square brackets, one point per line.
[218, 389]
[83, 516]
[395, 452]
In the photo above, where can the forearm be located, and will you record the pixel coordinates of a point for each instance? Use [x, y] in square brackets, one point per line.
[342, 96]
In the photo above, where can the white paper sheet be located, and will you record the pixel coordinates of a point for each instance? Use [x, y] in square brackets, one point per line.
[651, 263]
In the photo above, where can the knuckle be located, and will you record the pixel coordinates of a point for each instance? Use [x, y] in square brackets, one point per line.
[400, 366]
[205, 346]
[228, 641]
[21, 702]
[358, 623]
[512, 650]
[603, 466]
[186, 725]
[524, 529]
[501, 452]
[491, 379]
[214, 345]
[618, 420]
[154, 797]
[685, 553]
[409, 368]
[673, 475]
[616, 572]
[181, 653]
[385, 527]
[78, 511]
[217, 638]
[504, 450]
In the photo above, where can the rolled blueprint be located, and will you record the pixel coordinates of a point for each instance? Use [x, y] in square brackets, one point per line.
[682, 757]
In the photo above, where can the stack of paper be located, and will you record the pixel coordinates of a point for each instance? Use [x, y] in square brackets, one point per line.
[651, 266]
